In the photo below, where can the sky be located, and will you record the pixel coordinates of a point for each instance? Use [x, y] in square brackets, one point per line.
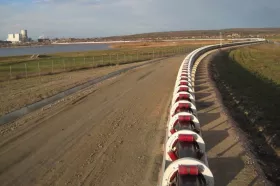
[99, 18]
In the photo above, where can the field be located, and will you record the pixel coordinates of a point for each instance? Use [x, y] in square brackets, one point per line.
[49, 75]
[274, 38]
[20, 92]
[26, 66]
[249, 80]
[165, 43]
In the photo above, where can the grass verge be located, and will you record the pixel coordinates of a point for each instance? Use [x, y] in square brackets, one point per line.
[165, 43]
[18, 67]
[248, 79]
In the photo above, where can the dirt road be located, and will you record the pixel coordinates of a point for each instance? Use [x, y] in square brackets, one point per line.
[228, 153]
[110, 137]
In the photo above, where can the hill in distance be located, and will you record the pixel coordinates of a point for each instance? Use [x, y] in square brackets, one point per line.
[197, 34]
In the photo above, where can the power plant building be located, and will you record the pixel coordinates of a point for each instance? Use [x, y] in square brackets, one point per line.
[24, 35]
[14, 38]
[17, 38]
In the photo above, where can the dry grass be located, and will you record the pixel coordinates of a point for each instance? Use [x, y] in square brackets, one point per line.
[22, 66]
[20, 92]
[164, 44]
[59, 72]
[262, 60]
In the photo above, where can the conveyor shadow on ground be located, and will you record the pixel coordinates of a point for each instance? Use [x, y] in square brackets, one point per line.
[208, 98]
[200, 83]
[205, 118]
[202, 95]
[200, 77]
[260, 97]
[213, 136]
[221, 176]
[205, 104]
[198, 74]
[211, 142]
[201, 88]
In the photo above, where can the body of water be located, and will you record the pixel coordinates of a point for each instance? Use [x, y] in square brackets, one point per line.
[50, 49]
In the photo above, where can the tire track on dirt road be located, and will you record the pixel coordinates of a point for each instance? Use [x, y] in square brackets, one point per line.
[110, 137]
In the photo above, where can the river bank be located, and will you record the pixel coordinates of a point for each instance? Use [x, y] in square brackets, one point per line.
[185, 41]
[38, 44]
[50, 49]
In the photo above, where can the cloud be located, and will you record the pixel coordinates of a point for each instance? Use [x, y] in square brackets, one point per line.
[92, 18]
[41, 1]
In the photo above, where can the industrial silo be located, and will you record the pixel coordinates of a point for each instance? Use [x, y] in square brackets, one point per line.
[24, 35]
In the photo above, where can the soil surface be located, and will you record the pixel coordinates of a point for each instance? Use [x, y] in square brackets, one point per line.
[227, 147]
[20, 92]
[110, 134]
[258, 118]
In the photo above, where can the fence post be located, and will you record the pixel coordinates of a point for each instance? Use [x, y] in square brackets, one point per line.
[52, 66]
[39, 71]
[10, 72]
[9, 81]
[64, 64]
[25, 70]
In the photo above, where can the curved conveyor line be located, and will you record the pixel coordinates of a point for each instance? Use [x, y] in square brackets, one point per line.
[175, 166]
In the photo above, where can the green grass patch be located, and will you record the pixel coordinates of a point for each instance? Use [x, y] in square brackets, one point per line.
[16, 67]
